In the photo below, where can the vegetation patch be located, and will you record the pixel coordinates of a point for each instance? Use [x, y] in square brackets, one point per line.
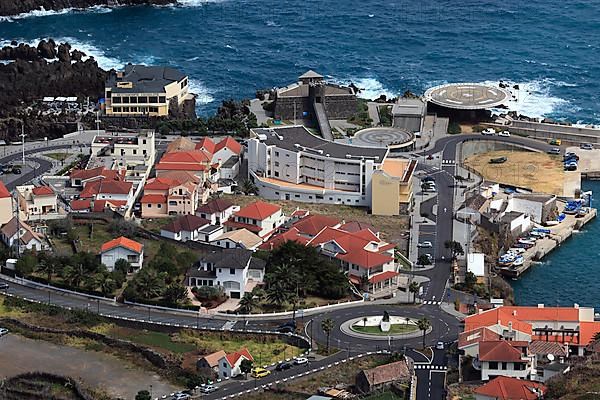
[395, 329]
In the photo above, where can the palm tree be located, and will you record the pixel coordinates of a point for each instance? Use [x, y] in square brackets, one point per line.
[247, 303]
[294, 299]
[148, 285]
[46, 266]
[596, 336]
[74, 275]
[414, 289]
[364, 321]
[277, 294]
[248, 187]
[105, 282]
[407, 321]
[423, 324]
[327, 326]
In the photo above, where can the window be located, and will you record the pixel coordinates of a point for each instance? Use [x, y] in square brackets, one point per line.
[493, 365]
[152, 99]
[503, 365]
[150, 205]
[276, 173]
[277, 163]
[133, 99]
[116, 100]
[276, 154]
[162, 99]
[159, 206]
[125, 99]
[232, 271]
[153, 109]
[297, 196]
[142, 99]
[134, 151]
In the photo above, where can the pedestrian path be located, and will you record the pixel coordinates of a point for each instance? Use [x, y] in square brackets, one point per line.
[432, 303]
[448, 162]
[227, 326]
[432, 367]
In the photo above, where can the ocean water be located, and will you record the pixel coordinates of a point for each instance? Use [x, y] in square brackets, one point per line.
[230, 48]
[570, 274]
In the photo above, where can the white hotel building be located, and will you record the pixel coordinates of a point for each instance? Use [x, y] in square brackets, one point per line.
[290, 163]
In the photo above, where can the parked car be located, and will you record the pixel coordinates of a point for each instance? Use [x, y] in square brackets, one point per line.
[300, 360]
[504, 133]
[570, 167]
[208, 389]
[555, 142]
[488, 131]
[439, 345]
[3, 331]
[3, 285]
[425, 244]
[571, 155]
[259, 372]
[288, 327]
[283, 366]
[586, 146]
[554, 150]
[181, 396]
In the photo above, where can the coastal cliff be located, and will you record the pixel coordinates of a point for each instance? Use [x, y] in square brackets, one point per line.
[14, 7]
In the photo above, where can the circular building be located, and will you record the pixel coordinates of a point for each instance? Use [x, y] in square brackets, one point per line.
[467, 96]
[387, 137]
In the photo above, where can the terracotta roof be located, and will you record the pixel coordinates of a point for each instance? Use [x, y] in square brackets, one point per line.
[154, 198]
[300, 213]
[475, 336]
[4, 193]
[387, 373]
[214, 206]
[382, 276]
[314, 223]
[160, 183]
[98, 172]
[587, 330]
[495, 316]
[181, 176]
[213, 359]
[355, 226]
[233, 358]
[545, 348]
[185, 157]
[100, 205]
[258, 210]
[206, 144]
[544, 313]
[229, 143]
[180, 144]
[180, 167]
[123, 242]
[186, 223]
[505, 388]
[499, 350]
[239, 225]
[78, 205]
[105, 186]
[43, 191]
[243, 236]
[291, 234]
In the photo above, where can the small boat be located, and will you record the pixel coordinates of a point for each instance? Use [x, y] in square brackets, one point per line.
[542, 230]
[518, 261]
[552, 223]
[526, 241]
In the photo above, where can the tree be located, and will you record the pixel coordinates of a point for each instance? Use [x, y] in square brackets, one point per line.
[248, 187]
[455, 248]
[414, 289]
[46, 265]
[277, 294]
[247, 303]
[123, 266]
[246, 367]
[105, 282]
[175, 293]
[148, 284]
[596, 336]
[74, 274]
[327, 326]
[470, 280]
[423, 324]
[365, 319]
[424, 260]
[26, 264]
[143, 395]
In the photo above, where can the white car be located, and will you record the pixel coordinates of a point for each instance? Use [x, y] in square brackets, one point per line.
[504, 133]
[3, 331]
[488, 131]
[439, 345]
[425, 244]
[300, 360]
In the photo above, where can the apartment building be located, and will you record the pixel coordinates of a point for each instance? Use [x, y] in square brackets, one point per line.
[290, 163]
[140, 90]
[126, 150]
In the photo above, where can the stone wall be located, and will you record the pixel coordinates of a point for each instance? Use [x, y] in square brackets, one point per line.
[284, 107]
[340, 107]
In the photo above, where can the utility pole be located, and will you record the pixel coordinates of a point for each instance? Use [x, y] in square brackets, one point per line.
[23, 140]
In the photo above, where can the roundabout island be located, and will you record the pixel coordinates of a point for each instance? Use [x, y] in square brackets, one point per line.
[383, 327]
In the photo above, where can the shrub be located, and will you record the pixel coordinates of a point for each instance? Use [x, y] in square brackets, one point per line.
[454, 128]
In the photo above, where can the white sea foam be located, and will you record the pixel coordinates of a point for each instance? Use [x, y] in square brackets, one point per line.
[203, 94]
[370, 88]
[196, 3]
[42, 12]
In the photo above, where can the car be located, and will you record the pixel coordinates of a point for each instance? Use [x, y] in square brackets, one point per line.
[570, 154]
[300, 360]
[429, 256]
[498, 160]
[3, 331]
[3, 285]
[570, 167]
[425, 244]
[439, 345]
[208, 389]
[181, 396]
[586, 146]
[288, 327]
[16, 171]
[555, 142]
[488, 131]
[428, 179]
[504, 133]
[259, 372]
[554, 150]
[283, 366]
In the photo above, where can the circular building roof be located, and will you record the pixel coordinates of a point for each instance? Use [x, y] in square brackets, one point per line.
[383, 137]
[467, 96]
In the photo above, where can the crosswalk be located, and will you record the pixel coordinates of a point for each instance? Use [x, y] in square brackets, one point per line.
[448, 162]
[432, 303]
[227, 326]
[429, 366]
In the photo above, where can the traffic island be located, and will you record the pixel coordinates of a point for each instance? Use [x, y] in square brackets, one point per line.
[382, 327]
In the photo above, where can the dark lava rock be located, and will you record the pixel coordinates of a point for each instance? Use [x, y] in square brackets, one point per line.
[47, 49]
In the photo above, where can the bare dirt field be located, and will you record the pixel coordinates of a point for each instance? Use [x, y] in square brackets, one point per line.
[539, 172]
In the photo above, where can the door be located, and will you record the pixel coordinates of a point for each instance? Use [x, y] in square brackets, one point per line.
[234, 295]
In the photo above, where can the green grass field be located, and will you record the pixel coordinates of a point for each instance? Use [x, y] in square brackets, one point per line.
[394, 329]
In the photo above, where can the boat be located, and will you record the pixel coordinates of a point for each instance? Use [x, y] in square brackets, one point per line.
[542, 230]
[552, 223]
[506, 260]
[518, 261]
[526, 241]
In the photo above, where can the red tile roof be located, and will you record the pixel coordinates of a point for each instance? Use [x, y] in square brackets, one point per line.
[258, 210]
[475, 336]
[300, 213]
[505, 388]
[43, 191]
[238, 225]
[206, 144]
[229, 143]
[179, 167]
[544, 313]
[98, 172]
[292, 234]
[154, 198]
[382, 276]
[233, 358]
[355, 226]
[160, 183]
[186, 223]
[214, 206]
[499, 350]
[123, 242]
[105, 186]
[100, 205]
[314, 223]
[79, 205]
[4, 193]
[495, 316]
[186, 157]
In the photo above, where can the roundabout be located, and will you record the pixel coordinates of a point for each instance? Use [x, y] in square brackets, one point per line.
[377, 328]
[386, 137]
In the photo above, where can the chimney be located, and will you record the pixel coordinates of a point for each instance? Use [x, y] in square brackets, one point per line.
[540, 305]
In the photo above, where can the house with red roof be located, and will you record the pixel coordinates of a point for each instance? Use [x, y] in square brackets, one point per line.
[37, 202]
[191, 227]
[260, 217]
[79, 177]
[229, 365]
[16, 233]
[195, 162]
[122, 248]
[507, 388]
[217, 211]
[505, 358]
[164, 196]
[6, 205]
[97, 195]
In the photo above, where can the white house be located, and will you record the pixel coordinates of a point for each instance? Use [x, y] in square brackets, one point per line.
[235, 270]
[122, 248]
[16, 232]
[217, 211]
[260, 217]
[229, 365]
[184, 228]
[37, 202]
[505, 358]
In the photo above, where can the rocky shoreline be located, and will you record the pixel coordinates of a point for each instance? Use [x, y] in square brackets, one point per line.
[16, 7]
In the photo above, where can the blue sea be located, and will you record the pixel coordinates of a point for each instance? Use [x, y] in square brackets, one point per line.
[230, 48]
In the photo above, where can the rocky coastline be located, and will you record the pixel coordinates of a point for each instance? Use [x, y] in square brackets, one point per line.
[16, 7]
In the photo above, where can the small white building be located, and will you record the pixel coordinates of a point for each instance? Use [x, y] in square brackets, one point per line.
[229, 365]
[217, 211]
[476, 265]
[239, 239]
[37, 202]
[260, 217]
[184, 228]
[18, 233]
[122, 248]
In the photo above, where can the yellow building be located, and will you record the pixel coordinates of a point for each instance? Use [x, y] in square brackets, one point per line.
[142, 90]
[392, 189]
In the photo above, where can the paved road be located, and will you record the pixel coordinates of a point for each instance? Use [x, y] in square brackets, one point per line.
[44, 165]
